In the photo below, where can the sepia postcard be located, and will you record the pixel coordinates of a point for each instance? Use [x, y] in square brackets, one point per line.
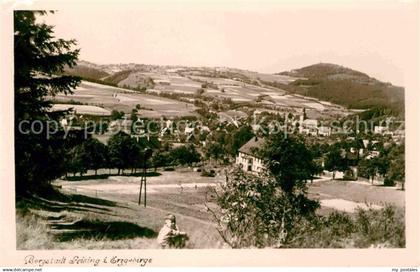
[209, 133]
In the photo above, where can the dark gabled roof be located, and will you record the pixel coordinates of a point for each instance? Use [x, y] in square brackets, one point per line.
[352, 155]
[253, 144]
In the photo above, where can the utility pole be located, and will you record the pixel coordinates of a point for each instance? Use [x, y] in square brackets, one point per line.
[146, 154]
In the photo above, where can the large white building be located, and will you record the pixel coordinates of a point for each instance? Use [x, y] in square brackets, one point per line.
[247, 158]
[308, 126]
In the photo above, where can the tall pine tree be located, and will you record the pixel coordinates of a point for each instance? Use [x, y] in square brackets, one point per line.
[39, 61]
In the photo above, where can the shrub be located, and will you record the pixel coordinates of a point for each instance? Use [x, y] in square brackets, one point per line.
[255, 212]
[367, 228]
[389, 182]
[208, 173]
[385, 228]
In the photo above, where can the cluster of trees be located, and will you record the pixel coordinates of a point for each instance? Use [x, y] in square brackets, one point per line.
[91, 154]
[182, 155]
[205, 112]
[377, 113]
[124, 152]
[337, 159]
[223, 143]
[208, 85]
[390, 164]
[214, 74]
[200, 91]
[143, 84]
[86, 72]
[115, 114]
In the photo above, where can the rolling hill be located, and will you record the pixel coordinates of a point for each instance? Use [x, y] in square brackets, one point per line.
[347, 87]
[323, 81]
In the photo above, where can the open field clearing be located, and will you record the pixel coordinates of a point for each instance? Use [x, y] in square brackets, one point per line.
[93, 223]
[81, 109]
[325, 103]
[111, 98]
[180, 193]
[177, 89]
[182, 189]
[317, 106]
[170, 82]
[269, 77]
[335, 194]
[346, 195]
[104, 214]
[231, 115]
[89, 85]
[184, 185]
[218, 80]
[346, 205]
[241, 99]
[186, 85]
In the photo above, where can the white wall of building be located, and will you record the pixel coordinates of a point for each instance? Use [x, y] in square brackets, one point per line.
[249, 163]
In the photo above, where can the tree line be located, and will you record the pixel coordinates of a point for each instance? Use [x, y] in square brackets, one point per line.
[124, 152]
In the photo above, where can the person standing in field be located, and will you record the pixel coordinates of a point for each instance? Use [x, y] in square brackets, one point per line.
[170, 236]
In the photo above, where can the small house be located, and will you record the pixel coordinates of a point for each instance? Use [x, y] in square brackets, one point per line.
[247, 157]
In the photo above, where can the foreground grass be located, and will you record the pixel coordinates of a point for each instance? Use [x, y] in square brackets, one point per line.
[65, 220]
[68, 221]
[32, 233]
[367, 229]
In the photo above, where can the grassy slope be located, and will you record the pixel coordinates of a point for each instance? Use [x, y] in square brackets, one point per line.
[115, 221]
[118, 77]
[71, 221]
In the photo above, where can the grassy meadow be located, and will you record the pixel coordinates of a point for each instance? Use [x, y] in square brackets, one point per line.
[102, 212]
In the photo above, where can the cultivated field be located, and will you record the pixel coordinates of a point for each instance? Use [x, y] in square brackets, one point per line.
[110, 98]
[107, 98]
[82, 109]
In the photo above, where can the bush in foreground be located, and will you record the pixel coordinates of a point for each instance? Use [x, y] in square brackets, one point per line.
[254, 213]
[364, 229]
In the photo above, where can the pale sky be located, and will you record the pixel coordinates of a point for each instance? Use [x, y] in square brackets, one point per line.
[373, 37]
